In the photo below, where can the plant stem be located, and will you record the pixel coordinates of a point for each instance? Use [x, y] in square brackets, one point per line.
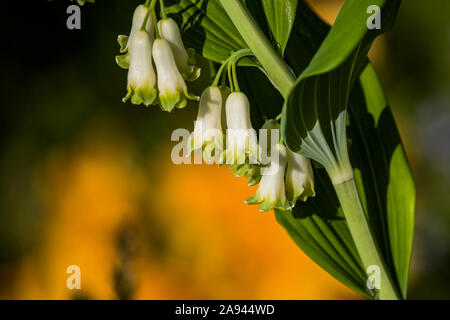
[150, 10]
[278, 72]
[362, 236]
[235, 56]
[163, 9]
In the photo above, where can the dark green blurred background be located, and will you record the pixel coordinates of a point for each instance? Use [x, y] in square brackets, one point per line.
[60, 86]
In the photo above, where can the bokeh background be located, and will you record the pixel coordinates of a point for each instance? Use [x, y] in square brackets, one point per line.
[88, 180]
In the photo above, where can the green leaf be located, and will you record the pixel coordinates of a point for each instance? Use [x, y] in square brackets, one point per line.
[316, 115]
[315, 112]
[280, 16]
[383, 173]
[319, 228]
[207, 28]
[257, 11]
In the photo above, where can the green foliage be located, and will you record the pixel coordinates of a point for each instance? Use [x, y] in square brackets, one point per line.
[207, 28]
[336, 99]
[280, 16]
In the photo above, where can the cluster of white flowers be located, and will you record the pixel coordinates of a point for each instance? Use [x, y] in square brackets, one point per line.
[284, 179]
[287, 177]
[145, 47]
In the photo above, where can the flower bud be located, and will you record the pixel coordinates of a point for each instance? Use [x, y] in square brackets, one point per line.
[271, 193]
[208, 134]
[169, 31]
[173, 91]
[242, 143]
[299, 178]
[141, 75]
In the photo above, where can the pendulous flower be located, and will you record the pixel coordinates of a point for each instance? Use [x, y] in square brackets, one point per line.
[173, 91]
[140, 13]
[299, 178]
[242, 142]
[271, 193]
[141, 75]
[208, 134]
[185, 61]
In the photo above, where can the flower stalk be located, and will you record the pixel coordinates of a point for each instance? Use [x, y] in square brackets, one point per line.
[363, 237]
[275, 67]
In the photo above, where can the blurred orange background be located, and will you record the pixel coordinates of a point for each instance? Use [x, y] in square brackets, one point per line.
[192, 236]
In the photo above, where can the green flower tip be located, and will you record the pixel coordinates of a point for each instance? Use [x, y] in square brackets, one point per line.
[266, 205]
[169, 102]
[250, 171]
[176, 100]
[141, 96]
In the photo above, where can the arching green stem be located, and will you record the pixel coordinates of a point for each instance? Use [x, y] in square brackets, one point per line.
[235, 57]
[151, 10]
[269, 58]
[163, 9]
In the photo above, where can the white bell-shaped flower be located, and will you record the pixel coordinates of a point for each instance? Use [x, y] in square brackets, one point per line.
[140, 13]
[299, 177]
[242, 142]
[173, 92]
[168, 29]
[271, 193]
[208, 134]
[184, 59]
[141, 75]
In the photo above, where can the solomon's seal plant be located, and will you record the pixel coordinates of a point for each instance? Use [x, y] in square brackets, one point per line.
[278, 66]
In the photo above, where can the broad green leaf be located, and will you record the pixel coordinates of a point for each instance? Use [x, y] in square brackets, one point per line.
[280, 16]
[318, 227]
[207, 28]
[383, 173]
[316, 114]
[348, 32]
[320, 219]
